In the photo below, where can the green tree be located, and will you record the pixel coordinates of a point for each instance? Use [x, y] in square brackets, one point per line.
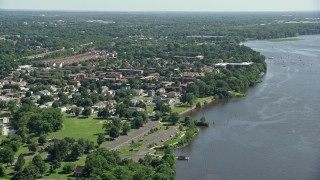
[20, 163]
[188, 98]
[42, 140]
[137, 122]
[55, 104]
[68, 168]
[114, 132]
[6, 155]
[76, 151]
[100, 139]
[40, 164]
[32, 147]
[198, 105]
[76, 111]
[174, 118]
[2, 171]
[104, 113]
[86, 111]
[126, 127]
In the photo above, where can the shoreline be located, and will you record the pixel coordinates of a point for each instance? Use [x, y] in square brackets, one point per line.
[203, 104]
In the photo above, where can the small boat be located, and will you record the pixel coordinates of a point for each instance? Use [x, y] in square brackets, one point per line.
[183, 158]
[270, 58]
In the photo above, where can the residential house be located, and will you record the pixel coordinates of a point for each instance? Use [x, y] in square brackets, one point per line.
[125, 88]
[99, 105]
[78, 170]
[133, 109]
[138, 92]
[172, 94]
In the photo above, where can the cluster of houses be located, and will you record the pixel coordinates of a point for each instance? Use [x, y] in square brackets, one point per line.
[168, 92]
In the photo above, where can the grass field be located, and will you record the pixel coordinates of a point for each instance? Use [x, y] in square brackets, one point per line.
[180, 109]
[286, 40]
[87, 128]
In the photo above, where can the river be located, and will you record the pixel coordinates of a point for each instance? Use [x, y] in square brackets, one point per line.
[273, 132]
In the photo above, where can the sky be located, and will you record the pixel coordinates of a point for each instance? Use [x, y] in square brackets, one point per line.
[163, 5]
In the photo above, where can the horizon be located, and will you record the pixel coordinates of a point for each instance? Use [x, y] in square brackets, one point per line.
[162, 6]
[158, 11]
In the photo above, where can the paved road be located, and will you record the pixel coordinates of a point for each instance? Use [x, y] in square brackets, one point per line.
[125, 140]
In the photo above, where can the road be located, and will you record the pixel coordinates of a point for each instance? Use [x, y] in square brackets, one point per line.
[125, 140]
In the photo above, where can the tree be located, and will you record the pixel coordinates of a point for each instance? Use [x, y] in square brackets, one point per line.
[174, 118]
[3, 105]
[114, 132]
[137, 122]
[188, 98]
[86, 111]
[68, 168]
[100, 139]
[55, 164]
[2, 171]
[20, 163]
[121, 110]
[6, 155]
[126, 127]
[40, 164]
[76, 151]
[162, 107]
[76, 111]
[198, 105]
[29, 172]
[42, 139]
[55, 104]
[32, 147]
[104, 113]
[117, 122]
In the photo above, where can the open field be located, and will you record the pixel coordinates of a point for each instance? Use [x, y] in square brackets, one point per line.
[74, 127]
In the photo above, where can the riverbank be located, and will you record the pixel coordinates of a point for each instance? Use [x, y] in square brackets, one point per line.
[247, 130]
[182, 110]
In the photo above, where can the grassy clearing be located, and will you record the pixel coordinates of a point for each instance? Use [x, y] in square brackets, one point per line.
[179, 109]
[182, 108]
[126, 151]
[87, 128]
[149, 110]
[202, 100]
[135, 144]
[286, 40]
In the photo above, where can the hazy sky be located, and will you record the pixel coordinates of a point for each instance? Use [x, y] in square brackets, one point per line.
[164, 5]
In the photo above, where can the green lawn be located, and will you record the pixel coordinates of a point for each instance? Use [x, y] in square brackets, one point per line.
[180, 109]
[149, 110]
[86, 128]
[202, 100]
[286, 40]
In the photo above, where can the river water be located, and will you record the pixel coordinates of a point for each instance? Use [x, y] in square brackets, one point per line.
[271, 134]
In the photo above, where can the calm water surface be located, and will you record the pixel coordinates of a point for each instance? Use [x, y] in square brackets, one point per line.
[273, 132]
